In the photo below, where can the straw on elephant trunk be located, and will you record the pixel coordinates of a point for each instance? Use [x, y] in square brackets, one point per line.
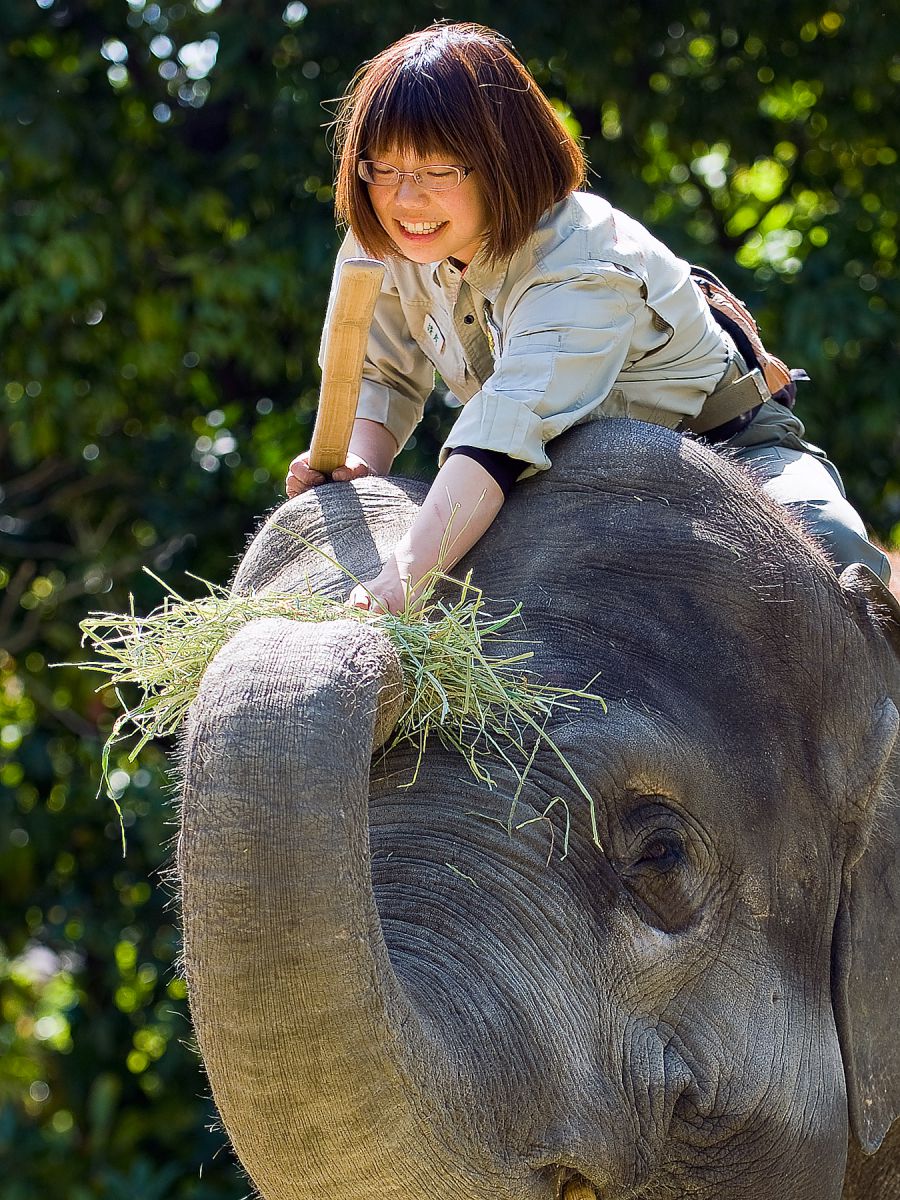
[460, 680]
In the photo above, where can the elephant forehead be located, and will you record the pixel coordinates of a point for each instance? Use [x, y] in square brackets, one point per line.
[627, 499]
[656, 562]
[691, 763]
[745, 689]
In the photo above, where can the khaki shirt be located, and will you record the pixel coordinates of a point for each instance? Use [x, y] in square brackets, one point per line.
[592, 317]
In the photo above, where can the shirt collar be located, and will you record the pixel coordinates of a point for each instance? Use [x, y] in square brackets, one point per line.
[486, 280]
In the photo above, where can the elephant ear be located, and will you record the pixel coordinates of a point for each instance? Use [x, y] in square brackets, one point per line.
[867, 594]
[866, 952]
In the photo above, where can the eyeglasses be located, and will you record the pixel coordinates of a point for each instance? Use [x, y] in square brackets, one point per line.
[438, 177]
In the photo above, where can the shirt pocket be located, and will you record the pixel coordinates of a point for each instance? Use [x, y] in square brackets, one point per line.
[527, 367]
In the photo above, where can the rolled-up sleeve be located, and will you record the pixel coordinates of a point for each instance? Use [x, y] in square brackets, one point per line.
[397, 377]
[563, 343]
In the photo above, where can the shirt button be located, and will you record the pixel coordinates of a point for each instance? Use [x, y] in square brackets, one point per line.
[469, 319]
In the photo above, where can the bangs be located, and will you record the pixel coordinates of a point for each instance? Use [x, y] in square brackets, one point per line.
[419, 112]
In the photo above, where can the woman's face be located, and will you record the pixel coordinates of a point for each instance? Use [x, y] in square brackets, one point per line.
[429, 226]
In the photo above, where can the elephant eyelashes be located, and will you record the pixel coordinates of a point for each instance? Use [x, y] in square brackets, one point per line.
[661, 853]
[662, 883]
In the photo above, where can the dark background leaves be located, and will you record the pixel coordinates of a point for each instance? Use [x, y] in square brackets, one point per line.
[166, 239]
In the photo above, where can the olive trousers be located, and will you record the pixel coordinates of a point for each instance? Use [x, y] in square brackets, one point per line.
[799, 476]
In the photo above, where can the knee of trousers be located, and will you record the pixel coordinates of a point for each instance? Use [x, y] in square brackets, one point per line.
[836, 526]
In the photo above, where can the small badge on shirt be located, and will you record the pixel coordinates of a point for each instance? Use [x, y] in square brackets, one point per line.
[433, 333]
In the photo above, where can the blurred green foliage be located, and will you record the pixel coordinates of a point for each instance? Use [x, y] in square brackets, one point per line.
[166, 241]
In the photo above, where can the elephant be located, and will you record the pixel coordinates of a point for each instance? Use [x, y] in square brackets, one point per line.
[395, 994]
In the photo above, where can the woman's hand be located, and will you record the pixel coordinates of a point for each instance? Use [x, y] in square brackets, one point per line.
[387, 592]
[372, 450]
[460, 505]
[301, 477]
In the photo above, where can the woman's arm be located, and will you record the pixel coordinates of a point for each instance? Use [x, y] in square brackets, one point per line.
[459, 508]
[373, 443]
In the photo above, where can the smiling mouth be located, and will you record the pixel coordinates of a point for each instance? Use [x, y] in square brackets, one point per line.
[421, 228]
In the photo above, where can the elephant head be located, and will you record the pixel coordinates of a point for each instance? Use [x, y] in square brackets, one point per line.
[395, 997]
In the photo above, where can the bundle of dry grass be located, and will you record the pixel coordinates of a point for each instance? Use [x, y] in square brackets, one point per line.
[461, 682]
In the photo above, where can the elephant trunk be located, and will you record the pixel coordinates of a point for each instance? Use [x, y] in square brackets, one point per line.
[319, 1066]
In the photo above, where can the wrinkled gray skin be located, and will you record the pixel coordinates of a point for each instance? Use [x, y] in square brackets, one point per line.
[395, 999]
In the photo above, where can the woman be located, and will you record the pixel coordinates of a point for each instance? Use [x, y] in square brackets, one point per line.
[539, 305]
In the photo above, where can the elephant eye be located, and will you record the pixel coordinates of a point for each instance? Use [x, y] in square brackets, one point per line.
[661, 852]
[664, 860]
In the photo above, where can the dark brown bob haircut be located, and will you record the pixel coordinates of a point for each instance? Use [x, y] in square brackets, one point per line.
[459, 93]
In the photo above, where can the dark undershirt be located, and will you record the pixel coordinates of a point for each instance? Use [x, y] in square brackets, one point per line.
[502, 469]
